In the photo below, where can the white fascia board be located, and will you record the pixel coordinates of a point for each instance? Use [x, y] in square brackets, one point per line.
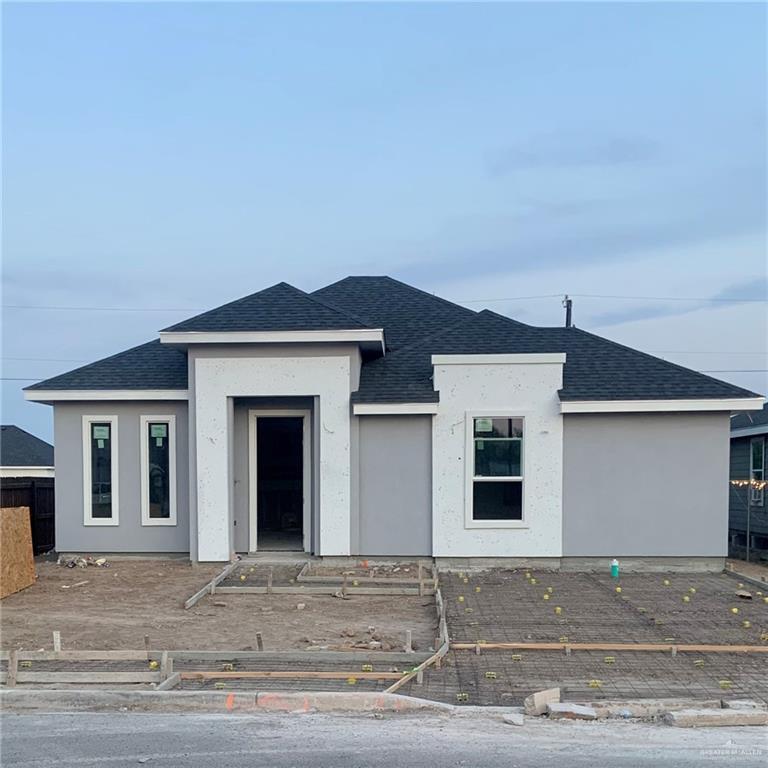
[273, 337]
[758, 429]
[663, 406]
[557, 358]
[26, 472]
[54, 395]
[393, 409]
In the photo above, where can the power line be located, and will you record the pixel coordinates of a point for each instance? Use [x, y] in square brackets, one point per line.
[732, 300]
[737, 370]
[47, 359]
[103, 309]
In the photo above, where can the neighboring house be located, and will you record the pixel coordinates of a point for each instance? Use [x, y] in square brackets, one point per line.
[26, 480]
[24, 455]
[748, 503]
[370, 418]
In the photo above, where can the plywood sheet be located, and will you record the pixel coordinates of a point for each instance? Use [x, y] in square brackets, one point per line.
[17, 564]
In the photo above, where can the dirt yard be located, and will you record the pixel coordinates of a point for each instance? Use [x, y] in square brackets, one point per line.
[117, 606]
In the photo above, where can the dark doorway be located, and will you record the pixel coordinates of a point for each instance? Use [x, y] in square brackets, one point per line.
[279, 479]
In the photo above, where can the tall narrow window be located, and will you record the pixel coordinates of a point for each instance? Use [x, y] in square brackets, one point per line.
[757, 471]
[497, 469]
[100, 482]
[158, 470]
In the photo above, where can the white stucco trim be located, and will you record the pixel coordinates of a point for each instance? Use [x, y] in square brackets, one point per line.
[471, 478]
[253, 475]
[393, 409]
[26, 472]
[758, 429]
[220, 379]
[649, 406]
[510, 389]
[51, 395]
[115, 468]
[375, 335]
[519, 359]
[144, 421]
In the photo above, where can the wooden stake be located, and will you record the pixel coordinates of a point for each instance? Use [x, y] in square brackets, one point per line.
[56, 640]
[420, 677]
[13, 669]
[166, 665]
[269, 582]
[408, 641]
[259, 641]
[146, 646]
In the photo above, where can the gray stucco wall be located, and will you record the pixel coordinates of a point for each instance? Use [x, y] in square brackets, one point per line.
[645, 484]
[395, 486]
[129, 535]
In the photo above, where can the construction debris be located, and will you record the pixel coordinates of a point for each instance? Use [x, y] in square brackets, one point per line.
[708, 718]
[537, 703]
[83, 562]
[568, 711]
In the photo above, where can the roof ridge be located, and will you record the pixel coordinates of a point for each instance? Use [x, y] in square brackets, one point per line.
[282, 284]
[508, 319]
[433, 296]
[334, 308]
[659, 359]
[428, 337]
[93, 362]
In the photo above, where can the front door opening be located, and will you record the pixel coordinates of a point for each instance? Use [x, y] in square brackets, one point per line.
[279, 483]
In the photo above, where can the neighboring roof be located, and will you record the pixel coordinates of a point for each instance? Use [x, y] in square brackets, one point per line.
[407, 314]
[416, 326]
[149, 366]
[279, 308]
[595, 368]
[20, 449]
[750, 419]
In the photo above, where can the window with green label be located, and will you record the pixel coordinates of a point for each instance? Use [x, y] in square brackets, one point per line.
[101, 470]
[158, 470]
[497, 474]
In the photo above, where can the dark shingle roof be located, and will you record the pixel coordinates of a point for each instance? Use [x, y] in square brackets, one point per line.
[149, 366]
[595, 368]
[416, 326]
[746, 419]
[407, 314]
[279, 308]
[20, 449]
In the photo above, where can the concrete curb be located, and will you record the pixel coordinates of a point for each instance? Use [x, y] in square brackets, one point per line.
[219, 701]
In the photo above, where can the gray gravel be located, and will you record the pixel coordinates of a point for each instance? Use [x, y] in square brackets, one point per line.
[280, 741]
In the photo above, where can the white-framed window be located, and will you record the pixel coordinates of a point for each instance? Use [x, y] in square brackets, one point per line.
[100, 471]
[157, 435]
[495, 458]
[757, 471]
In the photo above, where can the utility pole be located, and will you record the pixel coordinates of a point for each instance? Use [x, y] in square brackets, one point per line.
[568, 304]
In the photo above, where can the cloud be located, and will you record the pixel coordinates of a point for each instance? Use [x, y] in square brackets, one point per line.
[755, 289]
[557, 152]
[623, 228]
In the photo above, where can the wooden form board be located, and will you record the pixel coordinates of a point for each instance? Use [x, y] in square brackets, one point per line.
[295, 675]
[630, 647]
[17, 564]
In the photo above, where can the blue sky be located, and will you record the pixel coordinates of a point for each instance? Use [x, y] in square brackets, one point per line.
[181, 155]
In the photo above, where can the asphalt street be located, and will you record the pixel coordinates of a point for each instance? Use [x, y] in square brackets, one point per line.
[333, 741]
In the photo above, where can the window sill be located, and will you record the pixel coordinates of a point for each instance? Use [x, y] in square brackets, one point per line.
[101, 523]
[156, 523]
[496, 524]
